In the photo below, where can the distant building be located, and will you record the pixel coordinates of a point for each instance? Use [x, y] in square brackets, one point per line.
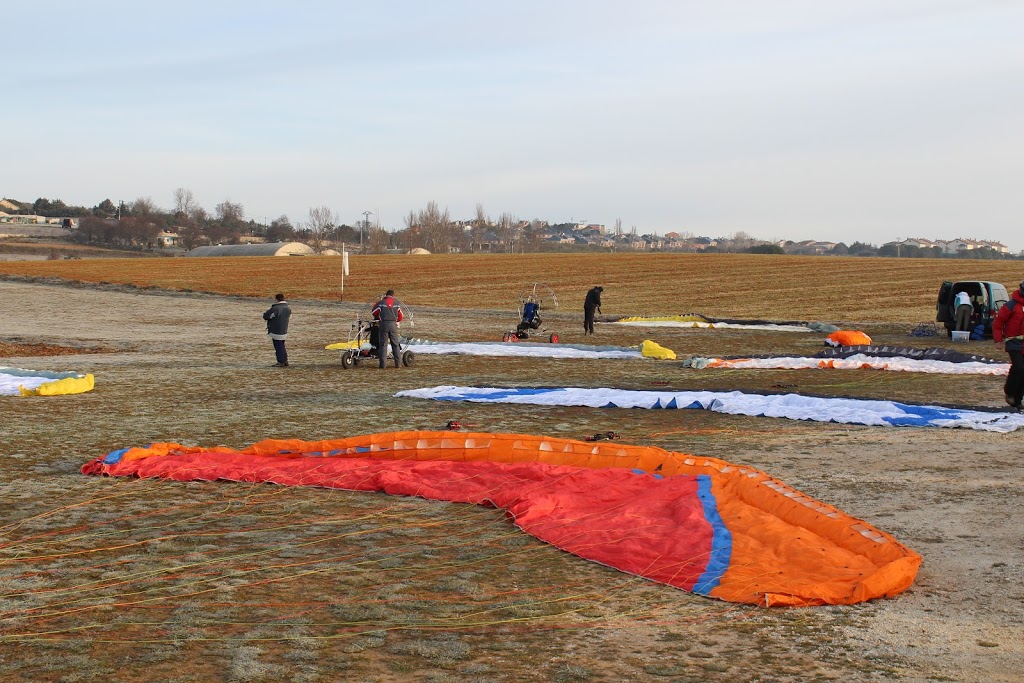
[918, 242]
[30, 219]
[996, 246]
[699, 243]
[808, 247]
[960, 245]
[956, 246]
[167, 239]
[267, 249]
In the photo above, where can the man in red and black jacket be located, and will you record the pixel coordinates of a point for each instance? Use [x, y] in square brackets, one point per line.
[1008, 333]
[389, 313]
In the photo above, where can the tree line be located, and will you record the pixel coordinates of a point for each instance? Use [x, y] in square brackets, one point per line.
[138, 224]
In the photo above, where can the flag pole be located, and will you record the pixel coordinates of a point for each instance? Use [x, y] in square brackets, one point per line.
[344, 269]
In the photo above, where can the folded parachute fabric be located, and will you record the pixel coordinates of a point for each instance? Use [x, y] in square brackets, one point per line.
[848, 338]
[886, 351]
[16, 381]
[650, 349]
[789, 406]
[536, 350]
[682, 320]
[697, 320]
[700, 524]
[853, 362]
[345, 345]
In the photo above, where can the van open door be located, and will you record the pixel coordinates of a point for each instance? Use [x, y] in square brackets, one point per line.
[943, 313]
[997, 297]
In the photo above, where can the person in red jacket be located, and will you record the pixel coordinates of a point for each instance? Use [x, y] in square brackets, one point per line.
[389, 313]
[1008, 333]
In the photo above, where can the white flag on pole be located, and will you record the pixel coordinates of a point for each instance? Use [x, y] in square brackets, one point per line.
[344, 263]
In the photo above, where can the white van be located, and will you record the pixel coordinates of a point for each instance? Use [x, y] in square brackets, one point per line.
[987, 298]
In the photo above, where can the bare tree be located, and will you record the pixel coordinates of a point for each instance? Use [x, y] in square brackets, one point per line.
[230, 213]
[200, 218]
[144, 206]
[437, 228]
[737, 242]
[479, 229]
[508, 231]
[412, 236]
[89, 229]
[320, 225]
[377, 240]
[462, 238]
[184, 202]
[742, 241]
[228, 226]
[140, 230]
[280, 230]
[532, 238]
[191, 236]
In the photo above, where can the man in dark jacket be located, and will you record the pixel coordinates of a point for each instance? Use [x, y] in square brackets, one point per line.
[590, 304]
[277, 327]
[389, 313]
[1008, 334]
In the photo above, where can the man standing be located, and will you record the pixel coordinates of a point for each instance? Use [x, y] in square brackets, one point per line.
[1008, 333]
[277, 327]
[389, 312]
[963, 309]
[590, 304]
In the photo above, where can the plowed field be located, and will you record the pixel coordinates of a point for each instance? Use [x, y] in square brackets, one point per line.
[720, 285]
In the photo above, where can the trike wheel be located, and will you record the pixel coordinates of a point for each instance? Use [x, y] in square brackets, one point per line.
[408, 358]
[347, 360]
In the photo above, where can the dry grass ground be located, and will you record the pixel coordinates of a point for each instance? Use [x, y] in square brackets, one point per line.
[124, 580]
[14, 348]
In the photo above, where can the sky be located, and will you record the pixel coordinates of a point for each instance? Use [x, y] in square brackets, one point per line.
[785, 119]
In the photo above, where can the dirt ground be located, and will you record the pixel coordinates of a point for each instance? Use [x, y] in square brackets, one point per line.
[236, 599]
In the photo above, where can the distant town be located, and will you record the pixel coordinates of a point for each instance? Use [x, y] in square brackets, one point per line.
[142, 226]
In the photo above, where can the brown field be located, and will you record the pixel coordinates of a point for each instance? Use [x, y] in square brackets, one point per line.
[720, 285]
[126, 580]
[63, 249]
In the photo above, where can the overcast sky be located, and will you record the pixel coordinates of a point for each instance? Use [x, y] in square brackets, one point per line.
[786, 119]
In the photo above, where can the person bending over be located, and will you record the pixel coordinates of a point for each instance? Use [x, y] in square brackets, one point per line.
[590, 304]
